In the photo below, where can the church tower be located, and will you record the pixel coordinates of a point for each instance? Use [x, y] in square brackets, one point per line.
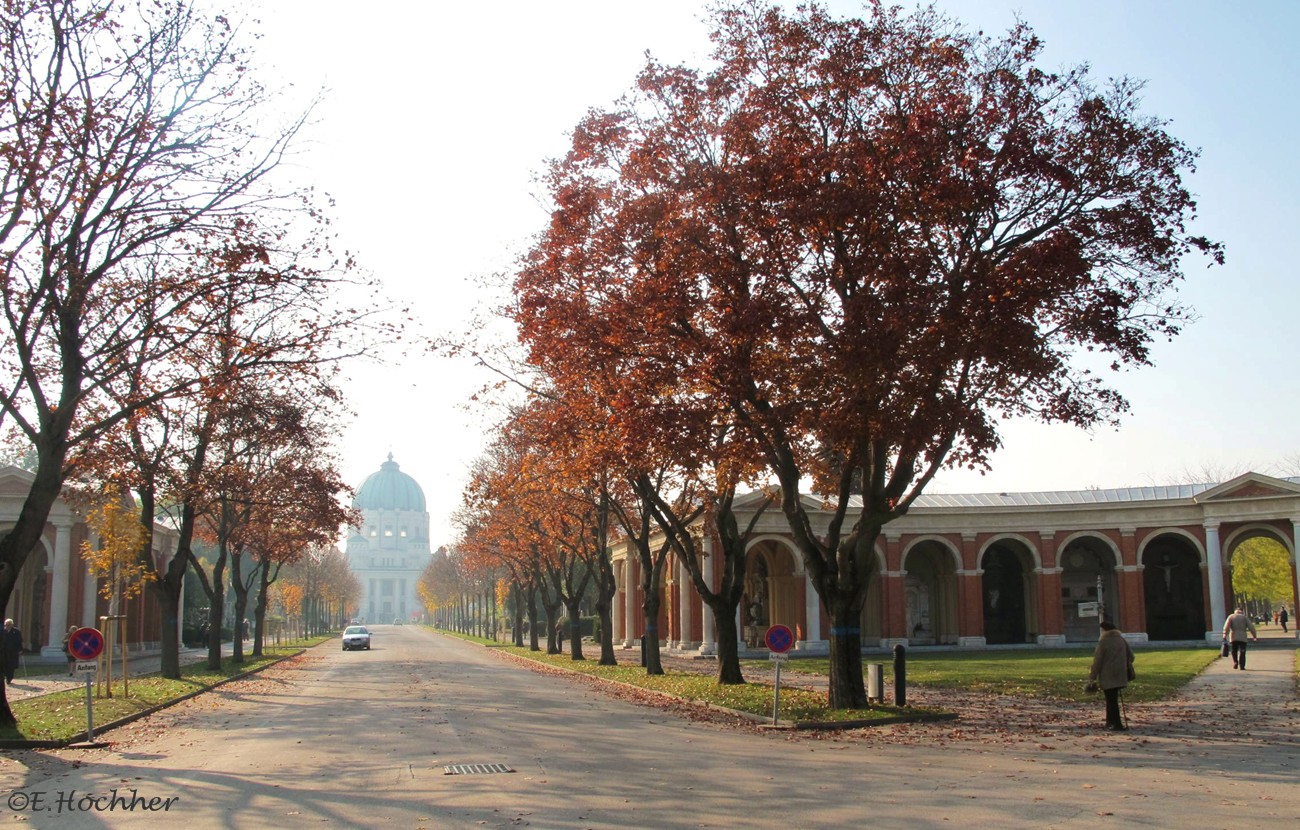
[390, 549]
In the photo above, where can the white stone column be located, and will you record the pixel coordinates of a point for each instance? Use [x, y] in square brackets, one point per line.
[89, 598]
[615, 613]
[1295, 555]
[629, 602]
[1214, 561]
[689, 596]
[180, 614]
[812, 604]
[61, 568]
[740, 627]
[708, 630]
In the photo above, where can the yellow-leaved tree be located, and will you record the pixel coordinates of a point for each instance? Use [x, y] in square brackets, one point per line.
[1261, 573]
[115, 554]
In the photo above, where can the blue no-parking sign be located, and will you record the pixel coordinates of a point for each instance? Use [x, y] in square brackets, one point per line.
[86, 643]
[779, 638]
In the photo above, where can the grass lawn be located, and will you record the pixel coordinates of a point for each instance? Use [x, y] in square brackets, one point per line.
[1055, 673]
[796, 705]
[62, 715]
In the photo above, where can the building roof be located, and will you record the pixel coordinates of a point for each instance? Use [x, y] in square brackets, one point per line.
[389, 489]
[1109, 495]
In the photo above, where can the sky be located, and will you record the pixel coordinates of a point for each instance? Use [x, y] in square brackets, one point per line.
[436, 119]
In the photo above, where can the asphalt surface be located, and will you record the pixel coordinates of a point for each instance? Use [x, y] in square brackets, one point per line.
[365, 739]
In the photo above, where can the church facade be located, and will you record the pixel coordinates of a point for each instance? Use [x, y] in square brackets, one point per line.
[1002, 569]
[390, 549]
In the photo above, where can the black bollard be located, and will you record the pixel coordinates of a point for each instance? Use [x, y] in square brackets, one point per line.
[643, 652]
[900, 675]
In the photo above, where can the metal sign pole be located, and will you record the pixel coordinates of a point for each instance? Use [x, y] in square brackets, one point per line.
[90, 714]
[776, 693]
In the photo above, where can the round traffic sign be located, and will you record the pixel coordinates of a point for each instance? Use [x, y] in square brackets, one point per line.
[779, 638]
[86, 643]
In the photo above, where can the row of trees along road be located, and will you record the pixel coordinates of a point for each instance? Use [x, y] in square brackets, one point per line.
[823, 269]
[167, 319]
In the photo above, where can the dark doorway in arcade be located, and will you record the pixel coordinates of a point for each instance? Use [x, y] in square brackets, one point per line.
[1172, 588]
[1004, 597]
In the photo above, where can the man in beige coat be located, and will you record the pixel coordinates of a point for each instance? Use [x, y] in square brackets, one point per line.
[1235, 630]
[1112, 669]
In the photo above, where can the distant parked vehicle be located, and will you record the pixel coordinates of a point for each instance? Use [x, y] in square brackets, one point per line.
[397, 621]
[356, 636]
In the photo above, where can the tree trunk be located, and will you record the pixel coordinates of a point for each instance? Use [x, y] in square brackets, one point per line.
[259, 609]
[216, 611]
[553, 623]
[650, 640]
[519, 624]
[724, 616]
[533, 644]
[606, 634]
[575, 628]
[847, 690]
[241, 606]
[168, 592]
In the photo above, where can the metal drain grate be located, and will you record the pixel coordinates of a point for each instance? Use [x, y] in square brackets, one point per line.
[475, 769]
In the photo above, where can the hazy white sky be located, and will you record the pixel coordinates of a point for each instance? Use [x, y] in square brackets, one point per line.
[437, 116]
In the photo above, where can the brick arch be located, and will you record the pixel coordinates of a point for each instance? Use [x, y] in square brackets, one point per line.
[1035, 555]
[1090, 534]
[1171, 531]
[784, 544]
[1255, 530]
[942, 541]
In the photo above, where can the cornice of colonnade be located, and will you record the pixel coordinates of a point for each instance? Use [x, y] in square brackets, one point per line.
[1046, 530]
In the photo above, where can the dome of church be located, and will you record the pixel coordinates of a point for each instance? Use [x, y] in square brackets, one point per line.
[389, 489]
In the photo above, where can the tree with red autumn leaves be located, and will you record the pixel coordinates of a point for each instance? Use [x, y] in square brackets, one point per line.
[866, 241]
[132, 154]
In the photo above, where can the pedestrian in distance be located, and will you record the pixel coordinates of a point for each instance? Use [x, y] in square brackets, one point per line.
[1112, 669]
[1283, 617]
[67, 651]
[13, 650]
[1236, 630]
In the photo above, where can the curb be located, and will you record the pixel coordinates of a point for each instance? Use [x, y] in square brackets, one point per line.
[760, 720]
[82, 737]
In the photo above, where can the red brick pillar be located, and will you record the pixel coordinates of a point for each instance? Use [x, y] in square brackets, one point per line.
[970, 596]
[1051, 617]
[894, 593]
[1130, 584]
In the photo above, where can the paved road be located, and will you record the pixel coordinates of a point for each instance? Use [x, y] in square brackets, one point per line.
[360, 739]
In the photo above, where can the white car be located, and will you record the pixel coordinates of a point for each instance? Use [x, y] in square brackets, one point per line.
[356, 636]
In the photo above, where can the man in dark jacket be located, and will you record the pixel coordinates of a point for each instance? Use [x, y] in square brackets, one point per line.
[13, 649]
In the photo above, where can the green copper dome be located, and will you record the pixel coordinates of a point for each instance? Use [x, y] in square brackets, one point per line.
[389, 489]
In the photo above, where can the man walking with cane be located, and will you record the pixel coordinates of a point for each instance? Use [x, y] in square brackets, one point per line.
[1235, 630]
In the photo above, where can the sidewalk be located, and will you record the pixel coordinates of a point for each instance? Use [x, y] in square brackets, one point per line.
[35, 685]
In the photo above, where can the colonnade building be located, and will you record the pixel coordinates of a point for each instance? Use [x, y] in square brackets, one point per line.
[390, 549]
[1000, 569]
[57, 588]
